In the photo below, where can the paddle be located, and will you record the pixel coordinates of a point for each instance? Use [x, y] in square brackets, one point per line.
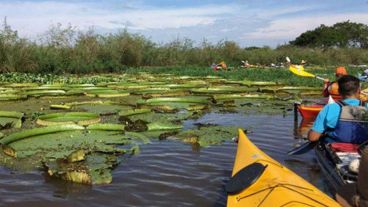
[306, 147]
[299, 70]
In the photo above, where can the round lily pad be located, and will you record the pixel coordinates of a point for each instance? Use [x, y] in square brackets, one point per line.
[80, 118]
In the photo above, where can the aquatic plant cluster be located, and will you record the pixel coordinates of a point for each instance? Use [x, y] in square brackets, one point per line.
[280, 75]
[65, 50]
[80, 131]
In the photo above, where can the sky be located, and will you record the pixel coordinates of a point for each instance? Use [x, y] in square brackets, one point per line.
[247, 22]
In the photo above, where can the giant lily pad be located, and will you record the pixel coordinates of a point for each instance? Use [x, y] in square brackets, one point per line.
[60, 144]
[171, 106]
[131, 112]
[187, 99]
[10, 119]
[106, 127]
[166, 94]
[72, 153]
[12, 97]
[257, 83]
[102, 108]
[80, 118]
[95, 169]
[162, 117]
[47, 92]
[106, 93]
[156, 126]
[241, 96]
[208, 135]
[223, 89]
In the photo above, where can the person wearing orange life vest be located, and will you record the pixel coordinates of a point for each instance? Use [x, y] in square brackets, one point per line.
[222, 65]
[332, 88]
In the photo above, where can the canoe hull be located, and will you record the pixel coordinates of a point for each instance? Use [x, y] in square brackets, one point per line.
[309, 111]
[277, 186]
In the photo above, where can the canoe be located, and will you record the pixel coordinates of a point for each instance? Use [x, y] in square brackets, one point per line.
[270, 185]
[335, 164]
[309, 111]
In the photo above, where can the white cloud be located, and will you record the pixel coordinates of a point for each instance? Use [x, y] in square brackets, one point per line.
[30, 18]
[258, 25]
[286, 29]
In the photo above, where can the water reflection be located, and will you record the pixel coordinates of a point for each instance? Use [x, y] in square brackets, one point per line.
[170, 173]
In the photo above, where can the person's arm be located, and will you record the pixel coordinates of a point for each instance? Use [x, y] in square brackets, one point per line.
[313, 135]
[319, 125]
[325, 92]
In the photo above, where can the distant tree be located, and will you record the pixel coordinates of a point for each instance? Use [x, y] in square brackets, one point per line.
[343, 35]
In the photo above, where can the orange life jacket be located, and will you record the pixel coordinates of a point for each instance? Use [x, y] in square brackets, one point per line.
[333, 90]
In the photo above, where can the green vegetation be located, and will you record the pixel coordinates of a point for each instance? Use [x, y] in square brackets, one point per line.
[80, 138]
[10, 119]
[63, 50]
[280, 75]
[207, 135]
[342, 35]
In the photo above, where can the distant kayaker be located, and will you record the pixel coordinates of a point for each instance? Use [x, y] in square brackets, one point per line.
[356, 194]
[343, 121]
[220, 66]
[244, 64]
[303, 62]
[331, 88]
[364, 75]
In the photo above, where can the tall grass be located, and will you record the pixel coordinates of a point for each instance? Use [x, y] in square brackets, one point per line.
[66, 50]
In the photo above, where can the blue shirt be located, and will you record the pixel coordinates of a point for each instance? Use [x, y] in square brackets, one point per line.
[329, 115]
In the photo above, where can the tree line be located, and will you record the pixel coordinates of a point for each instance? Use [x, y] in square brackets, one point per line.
[67, 50]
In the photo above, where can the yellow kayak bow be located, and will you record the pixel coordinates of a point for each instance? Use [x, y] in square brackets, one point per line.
[268, 183]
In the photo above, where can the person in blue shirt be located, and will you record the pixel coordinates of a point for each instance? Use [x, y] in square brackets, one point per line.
[344, 120]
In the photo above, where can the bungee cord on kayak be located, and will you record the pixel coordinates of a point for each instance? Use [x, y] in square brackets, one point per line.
[289, 187]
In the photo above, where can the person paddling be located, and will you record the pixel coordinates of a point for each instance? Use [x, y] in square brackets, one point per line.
[343, 121]
[222, 65]
[331, 88]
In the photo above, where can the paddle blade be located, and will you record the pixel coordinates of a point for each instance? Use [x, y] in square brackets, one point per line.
[288, 60]
[304, 148]
[299, 70]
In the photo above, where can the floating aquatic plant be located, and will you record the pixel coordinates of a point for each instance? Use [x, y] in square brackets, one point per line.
[80, 118]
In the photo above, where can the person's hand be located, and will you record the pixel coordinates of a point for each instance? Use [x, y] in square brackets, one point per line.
[326, 80]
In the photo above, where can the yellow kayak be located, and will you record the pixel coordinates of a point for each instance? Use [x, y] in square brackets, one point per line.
[264, 182]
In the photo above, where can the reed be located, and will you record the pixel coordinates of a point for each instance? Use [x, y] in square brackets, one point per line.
[65, 50]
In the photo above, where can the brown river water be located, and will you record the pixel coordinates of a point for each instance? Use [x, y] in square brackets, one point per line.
[168, 173]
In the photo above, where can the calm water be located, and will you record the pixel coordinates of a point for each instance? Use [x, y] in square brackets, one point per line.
[167, 173]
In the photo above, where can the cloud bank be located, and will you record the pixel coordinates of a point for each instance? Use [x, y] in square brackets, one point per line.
[246, 22]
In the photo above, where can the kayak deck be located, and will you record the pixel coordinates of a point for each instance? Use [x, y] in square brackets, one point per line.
[276, 186]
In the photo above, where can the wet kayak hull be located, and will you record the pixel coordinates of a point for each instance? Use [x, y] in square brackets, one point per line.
[309, 111]
[275, 186]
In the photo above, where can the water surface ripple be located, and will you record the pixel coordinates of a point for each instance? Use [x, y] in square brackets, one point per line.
[166, 173]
